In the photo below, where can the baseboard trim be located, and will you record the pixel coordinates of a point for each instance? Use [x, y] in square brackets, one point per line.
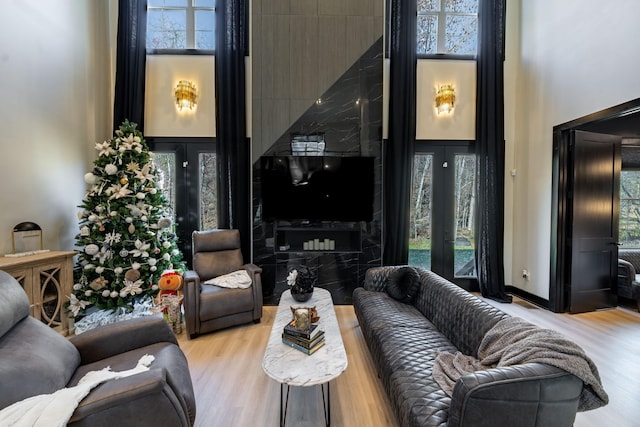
[534, 299]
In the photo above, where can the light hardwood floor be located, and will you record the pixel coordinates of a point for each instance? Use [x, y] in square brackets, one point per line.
[233, 391]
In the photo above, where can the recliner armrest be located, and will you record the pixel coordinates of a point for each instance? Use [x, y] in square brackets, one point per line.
[122, 337]
[531, 394]
[146, 392]
[191, 302]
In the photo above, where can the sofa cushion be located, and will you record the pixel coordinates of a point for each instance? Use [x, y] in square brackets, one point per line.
[35, 360]
[379, 310]
[403, 284]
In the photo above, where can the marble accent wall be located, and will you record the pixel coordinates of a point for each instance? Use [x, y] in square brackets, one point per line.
[317, 67]
[350, 116]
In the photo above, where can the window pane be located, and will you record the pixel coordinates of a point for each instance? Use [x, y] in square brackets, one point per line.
[163, 3]
[204, 3]
[629, 222]
[420, 220]
[208, 191]
[166, 29]
[427, 34]
[205, 27]
[461, 6]
[464, 253]
[165, 164]
[461, 35]
[428, 6]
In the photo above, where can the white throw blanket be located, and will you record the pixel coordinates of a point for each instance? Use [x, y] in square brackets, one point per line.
[55, 409]
[238, 279]
[513, 341]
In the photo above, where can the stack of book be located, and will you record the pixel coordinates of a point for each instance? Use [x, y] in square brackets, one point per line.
[308, 341]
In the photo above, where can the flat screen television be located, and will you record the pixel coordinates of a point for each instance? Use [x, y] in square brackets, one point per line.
[317, 188]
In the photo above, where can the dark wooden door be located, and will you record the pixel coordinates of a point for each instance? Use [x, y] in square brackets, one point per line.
[594, 229]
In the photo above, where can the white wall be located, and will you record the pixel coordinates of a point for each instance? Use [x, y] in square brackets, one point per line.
[162, 118]
[55, 77]
[576, 57]
[461, 123]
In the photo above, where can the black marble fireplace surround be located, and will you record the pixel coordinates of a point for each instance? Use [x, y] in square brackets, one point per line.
[349, 115]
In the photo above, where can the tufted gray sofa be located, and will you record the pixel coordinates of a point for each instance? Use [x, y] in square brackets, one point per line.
[36, 360]
[404, 340]
[629, 274]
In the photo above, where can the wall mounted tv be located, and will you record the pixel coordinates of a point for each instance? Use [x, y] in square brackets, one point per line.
[317, 188]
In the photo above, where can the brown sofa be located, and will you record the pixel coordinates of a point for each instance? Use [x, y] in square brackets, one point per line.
[37, 360]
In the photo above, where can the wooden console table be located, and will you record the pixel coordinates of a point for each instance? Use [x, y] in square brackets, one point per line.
[47, 279]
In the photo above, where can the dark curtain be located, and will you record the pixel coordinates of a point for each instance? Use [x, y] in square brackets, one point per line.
[232, 145]
[398, 150]
[490, 150]
[130, 63]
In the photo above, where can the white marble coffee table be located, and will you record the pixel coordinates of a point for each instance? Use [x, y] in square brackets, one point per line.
[291, 367]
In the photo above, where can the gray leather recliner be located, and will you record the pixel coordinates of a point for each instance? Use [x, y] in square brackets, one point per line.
[37, 360]
[207, 307]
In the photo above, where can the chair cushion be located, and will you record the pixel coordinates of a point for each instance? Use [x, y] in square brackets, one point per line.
[216, 302]
[403, 284]
[35, 360]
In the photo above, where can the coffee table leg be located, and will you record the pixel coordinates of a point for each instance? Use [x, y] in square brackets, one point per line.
[326, 404]
[283, 402]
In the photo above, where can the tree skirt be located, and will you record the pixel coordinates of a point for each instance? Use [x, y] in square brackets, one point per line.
[96, 318]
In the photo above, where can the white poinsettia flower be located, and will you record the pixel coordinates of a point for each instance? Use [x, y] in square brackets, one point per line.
[131, 288]
[117, 191]
[144, 174]
[105, 149]
[75, 305]
[141, 249]
[291, 278]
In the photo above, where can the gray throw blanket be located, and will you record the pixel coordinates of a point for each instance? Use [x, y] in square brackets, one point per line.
[513, 341]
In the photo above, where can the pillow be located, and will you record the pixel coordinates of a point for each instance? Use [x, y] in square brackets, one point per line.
[403, 284]
[238, 279]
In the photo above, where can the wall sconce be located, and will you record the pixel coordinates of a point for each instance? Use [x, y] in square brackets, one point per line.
[186, 95]
[445, 99]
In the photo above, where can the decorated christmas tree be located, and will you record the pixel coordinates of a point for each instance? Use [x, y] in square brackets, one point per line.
[127, 236]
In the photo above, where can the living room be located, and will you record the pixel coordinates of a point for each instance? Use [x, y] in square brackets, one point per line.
[563, 62]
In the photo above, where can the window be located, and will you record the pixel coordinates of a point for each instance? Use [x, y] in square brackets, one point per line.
[629, 222]
[448, 27]
[181, 24]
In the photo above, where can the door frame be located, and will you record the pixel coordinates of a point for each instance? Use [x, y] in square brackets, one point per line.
[603, 121]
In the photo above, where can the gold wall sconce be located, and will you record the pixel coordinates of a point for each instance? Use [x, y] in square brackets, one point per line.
[186, 95]
[445, 99]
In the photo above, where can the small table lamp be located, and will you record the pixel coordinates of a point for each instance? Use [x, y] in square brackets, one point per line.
[29, 229]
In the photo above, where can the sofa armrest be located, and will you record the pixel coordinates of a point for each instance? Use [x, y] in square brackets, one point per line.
[375, 278]
[146, 392]
[122, 337]
[626, 274]
[255, 273]
[530, 394]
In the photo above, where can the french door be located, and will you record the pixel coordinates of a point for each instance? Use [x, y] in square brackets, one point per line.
[442, 211]
[188, 178]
